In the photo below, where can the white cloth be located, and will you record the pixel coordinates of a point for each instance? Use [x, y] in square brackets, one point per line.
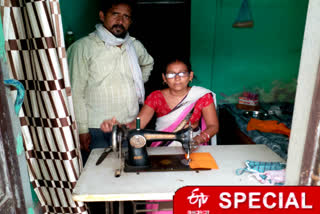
[111, 40]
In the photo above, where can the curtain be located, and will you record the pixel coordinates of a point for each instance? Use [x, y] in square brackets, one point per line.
[36, 56]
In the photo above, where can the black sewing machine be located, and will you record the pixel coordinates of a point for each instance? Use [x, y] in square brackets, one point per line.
[137, 159]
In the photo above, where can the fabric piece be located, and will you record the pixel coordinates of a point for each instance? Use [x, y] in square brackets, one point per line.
[37, 58]
[258, 166]
[268, 126]
[273, 177]
[102, 82]
[20, 93]
[202, 160]
[265, 170]
[276, 142]
[110, 40]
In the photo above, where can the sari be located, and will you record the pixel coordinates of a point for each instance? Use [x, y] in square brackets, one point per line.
[171, 121]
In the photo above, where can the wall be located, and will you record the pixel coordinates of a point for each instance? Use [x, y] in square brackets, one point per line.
[264, 58]
[79, 15]
[227, 60]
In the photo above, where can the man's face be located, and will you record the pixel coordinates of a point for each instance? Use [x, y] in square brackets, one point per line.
[117, 19]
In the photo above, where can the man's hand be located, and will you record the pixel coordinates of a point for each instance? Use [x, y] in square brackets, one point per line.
[85, 141]
[106, 125]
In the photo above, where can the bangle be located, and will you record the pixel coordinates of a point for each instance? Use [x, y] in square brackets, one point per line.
[203, 138]
[207, 136]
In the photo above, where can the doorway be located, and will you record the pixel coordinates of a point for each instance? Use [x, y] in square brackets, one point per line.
[163, 27]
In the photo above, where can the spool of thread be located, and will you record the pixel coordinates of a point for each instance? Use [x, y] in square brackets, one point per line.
[138, 123]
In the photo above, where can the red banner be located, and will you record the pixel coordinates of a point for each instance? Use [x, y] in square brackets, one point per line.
[245, 199]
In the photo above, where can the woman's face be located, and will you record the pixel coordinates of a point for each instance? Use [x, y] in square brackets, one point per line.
[177, 76]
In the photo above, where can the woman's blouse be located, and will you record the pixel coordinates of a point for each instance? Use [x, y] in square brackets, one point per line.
[159, 104]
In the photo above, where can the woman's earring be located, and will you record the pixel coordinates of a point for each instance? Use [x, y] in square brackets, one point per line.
[190, 80]
[164, 83]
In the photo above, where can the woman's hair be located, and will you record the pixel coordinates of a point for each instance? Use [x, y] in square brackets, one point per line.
[171, 60]
[105, 5]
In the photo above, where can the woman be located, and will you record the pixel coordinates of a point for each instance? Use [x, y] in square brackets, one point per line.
[178, 105]
[175, 107]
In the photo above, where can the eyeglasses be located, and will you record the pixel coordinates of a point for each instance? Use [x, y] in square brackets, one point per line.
[180, 74]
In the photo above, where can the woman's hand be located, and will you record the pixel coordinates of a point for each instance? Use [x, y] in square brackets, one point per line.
[197, 140]
[106, 125]
[203, 137]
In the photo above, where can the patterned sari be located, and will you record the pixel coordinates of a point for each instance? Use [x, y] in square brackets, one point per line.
[171, 121]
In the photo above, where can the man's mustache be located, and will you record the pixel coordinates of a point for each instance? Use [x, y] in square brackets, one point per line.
[120, 26]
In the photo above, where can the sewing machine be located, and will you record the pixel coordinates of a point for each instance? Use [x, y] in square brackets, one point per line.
[136, 159]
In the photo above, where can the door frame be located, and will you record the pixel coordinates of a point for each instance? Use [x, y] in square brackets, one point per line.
[304, 139]
[13, 200]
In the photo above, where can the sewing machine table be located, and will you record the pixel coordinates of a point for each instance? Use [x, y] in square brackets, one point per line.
[98, 183]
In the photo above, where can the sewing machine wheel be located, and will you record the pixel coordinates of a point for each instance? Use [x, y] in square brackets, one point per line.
[138, 141]
[117, 136]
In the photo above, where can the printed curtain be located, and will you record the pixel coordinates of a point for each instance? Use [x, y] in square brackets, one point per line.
[36, 56]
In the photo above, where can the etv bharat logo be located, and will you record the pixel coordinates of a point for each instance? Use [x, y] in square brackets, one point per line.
[198, 198]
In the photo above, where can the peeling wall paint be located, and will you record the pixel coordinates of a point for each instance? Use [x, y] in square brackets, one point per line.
[280, 92]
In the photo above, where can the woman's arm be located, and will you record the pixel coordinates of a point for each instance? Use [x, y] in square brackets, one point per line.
[145, 115]
[210, 116]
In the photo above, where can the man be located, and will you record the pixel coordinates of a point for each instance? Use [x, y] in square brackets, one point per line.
[108, 69]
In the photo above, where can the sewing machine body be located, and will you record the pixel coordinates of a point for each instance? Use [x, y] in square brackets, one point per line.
[136, 159]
